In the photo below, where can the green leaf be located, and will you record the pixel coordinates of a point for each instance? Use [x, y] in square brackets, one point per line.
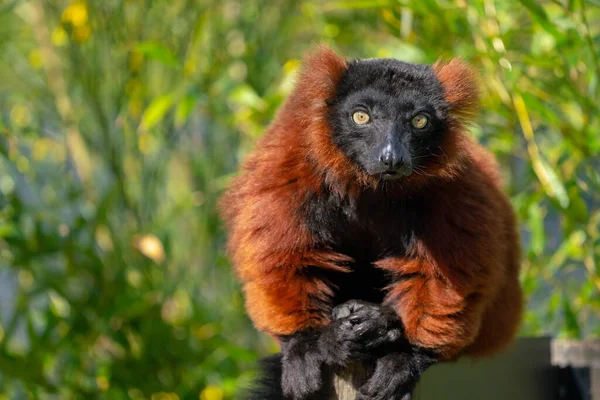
[59, 306]
[572, 5]
[577, 208]
[184, 108]
[554, 304]
[159, 52]
[6, 229]
[247, 96]
[558, 190]
[536, 226]
[573, 329]
[540, 107]
[535, 8]
[156, 111]
[359, 4]
[540, 16]
[8, 6]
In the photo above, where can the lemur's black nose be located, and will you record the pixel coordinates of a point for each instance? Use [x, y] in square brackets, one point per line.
[392, 159]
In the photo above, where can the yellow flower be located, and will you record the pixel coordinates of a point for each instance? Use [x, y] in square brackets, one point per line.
[76, 14]
[35, 59]
[59, 37]
[211, 392]
[291, 66]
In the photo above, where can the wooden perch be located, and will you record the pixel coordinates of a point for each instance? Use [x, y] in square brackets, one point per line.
[346, 382]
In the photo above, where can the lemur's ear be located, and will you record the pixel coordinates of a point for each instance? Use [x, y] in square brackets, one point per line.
[321, 71]
[460, 82]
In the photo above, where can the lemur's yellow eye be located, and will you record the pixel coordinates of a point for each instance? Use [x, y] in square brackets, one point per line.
[419, 121]
[360, 117]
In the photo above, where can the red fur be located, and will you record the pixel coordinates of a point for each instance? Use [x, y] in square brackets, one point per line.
[457, 291]
[460, 288]
[460, 84]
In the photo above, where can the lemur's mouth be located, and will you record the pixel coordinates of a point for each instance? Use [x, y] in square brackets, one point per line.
[392, 174]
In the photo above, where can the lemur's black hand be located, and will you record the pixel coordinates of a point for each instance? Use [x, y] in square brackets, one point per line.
[306, 353]
[359, 330]
[396, 375]
[369, 326]
[377, 333]
[302, 365]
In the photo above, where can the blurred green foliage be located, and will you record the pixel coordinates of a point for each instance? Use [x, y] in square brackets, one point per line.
[121, 121]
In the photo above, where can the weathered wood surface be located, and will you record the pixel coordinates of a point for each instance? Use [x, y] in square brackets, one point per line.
[346, 382]
[576, 353]
[580, 354]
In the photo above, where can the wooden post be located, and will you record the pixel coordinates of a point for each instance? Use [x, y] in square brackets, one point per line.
[346, 382]
[580, 354]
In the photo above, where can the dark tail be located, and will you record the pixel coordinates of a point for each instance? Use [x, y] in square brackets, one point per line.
[268, 385]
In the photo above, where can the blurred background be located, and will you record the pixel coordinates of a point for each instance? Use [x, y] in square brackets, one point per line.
[121, 122]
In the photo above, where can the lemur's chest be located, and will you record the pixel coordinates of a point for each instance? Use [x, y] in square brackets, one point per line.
[367, 229]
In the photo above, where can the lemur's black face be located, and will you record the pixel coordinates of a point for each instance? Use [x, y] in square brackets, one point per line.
[389, 117]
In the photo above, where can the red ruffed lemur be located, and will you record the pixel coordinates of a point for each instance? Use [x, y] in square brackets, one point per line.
[367, 225]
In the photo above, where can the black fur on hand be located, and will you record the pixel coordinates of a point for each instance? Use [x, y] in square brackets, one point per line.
[378, 334]
[360, 330]
[396, 375]
[303, 375]
[374, 329]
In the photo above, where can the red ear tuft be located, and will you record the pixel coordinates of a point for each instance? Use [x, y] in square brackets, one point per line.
[459, 80]
[321, 71]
